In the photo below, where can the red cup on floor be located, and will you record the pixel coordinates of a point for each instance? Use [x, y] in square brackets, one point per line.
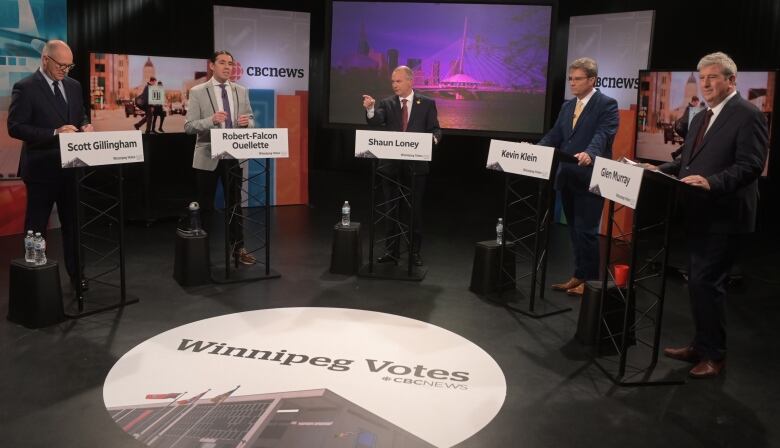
[621, 275]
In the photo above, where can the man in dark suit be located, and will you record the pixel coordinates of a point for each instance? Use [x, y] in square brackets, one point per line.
[43, 105]
[722, 157]
[585, 128]
[405, 111]
[142, 101]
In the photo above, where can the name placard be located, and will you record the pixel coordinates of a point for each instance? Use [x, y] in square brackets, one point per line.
[616, 181]
[79, 149]
[521, 158]
[249, 143]
[393, 145]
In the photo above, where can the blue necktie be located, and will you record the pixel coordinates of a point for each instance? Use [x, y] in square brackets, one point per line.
[60, 100]
[226, 106]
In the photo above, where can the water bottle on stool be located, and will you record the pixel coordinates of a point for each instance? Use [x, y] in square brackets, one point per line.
[345, 210]
[40, 249]
[500, 231]
[29, 247]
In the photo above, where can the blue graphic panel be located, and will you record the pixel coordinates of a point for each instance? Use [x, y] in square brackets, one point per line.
[264, 109]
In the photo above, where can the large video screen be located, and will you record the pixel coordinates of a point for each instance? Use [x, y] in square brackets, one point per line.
[117, 83]
[485, 65]
[668, 98]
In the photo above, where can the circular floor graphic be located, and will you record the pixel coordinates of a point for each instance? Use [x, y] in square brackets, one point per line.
[304, 377]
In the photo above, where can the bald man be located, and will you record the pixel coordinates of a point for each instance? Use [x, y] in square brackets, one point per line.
[43, 105]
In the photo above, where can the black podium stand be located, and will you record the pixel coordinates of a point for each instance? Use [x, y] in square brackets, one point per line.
[386, 211]
[649, 278]
[235, 212]
[527, 217]
[101, 240]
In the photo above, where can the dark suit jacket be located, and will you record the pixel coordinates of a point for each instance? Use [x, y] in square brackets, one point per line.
[33, 117]
[594, 134]
[424, 118]
[731, 158]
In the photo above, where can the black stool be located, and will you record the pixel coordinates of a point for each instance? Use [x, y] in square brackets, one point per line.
[485, 270]
[191, 267]
[614, 309]
[347, 253]
[35, 294]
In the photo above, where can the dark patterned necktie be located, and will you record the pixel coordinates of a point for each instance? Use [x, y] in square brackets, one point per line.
[404, 115]
[702, 130]
[62, 106]
[226, 106]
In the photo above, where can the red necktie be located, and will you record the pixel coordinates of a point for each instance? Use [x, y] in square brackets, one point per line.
[404, 115]
[702, 130]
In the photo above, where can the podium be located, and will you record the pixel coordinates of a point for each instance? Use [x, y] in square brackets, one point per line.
[529, 173]
[250, 166]
[393, 170]
[639, 317]
[98, 159]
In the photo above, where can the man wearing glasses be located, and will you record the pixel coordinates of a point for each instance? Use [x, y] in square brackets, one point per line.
[585, 128]
[43, 105]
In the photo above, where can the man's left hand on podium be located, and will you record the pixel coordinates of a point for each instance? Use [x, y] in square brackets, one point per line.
[696, 181]
[583, 159]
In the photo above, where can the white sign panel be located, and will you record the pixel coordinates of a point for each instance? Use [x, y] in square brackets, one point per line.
[620, 44]
[156, 96]
[249, 143]
[616, 181]
[521, 158]
[78, 149]
[393, 145]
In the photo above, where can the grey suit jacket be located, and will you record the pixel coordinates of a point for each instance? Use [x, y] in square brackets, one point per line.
[202, 105]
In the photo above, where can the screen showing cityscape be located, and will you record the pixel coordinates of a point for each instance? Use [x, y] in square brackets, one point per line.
[669, 99]
[119, 94]
[485, 65]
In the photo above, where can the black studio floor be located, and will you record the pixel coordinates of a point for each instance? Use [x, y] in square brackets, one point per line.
[51, 379]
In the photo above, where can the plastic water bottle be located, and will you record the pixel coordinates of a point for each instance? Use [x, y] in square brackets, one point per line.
[194, 211]
[345, 214]
[29, 247]
[40, 249]
[500, 231]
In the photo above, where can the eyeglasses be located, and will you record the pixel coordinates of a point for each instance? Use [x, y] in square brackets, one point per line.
[577, 78]
[61, 66]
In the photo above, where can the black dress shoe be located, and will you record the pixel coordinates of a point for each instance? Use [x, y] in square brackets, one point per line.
[387, 258]
[417, 259]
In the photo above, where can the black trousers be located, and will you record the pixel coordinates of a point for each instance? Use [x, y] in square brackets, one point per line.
[583, 214]
[231, 186]
[41, 197]
[398, 208]
[710, 259]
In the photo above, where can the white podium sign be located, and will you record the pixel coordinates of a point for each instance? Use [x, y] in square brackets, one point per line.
[616, 181]
[249, 143]
[521, 158]
[156, 96]
[393, 145]
[78, 149]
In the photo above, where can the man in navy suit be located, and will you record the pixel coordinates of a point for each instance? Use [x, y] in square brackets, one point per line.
[43, 105]
[405, 111]
[585, 128]
[722, 157]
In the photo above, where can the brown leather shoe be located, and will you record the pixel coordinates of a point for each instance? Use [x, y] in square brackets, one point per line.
[244, 257]
[577, 290]
[571, 283]
[707, 369]
[686, 353]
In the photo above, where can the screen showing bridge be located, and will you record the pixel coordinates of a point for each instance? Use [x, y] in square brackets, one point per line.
[484, 65]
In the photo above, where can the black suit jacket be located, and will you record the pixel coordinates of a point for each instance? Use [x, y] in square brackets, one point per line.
[731, 158]
[33, 117]
[424, 118]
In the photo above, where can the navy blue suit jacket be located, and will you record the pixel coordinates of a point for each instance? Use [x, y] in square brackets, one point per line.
[731, 158]
[33, 117]
[594, 134]
[424, 118]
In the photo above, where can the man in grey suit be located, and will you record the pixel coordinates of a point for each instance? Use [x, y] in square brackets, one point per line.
[219, 103]
[722, 157]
